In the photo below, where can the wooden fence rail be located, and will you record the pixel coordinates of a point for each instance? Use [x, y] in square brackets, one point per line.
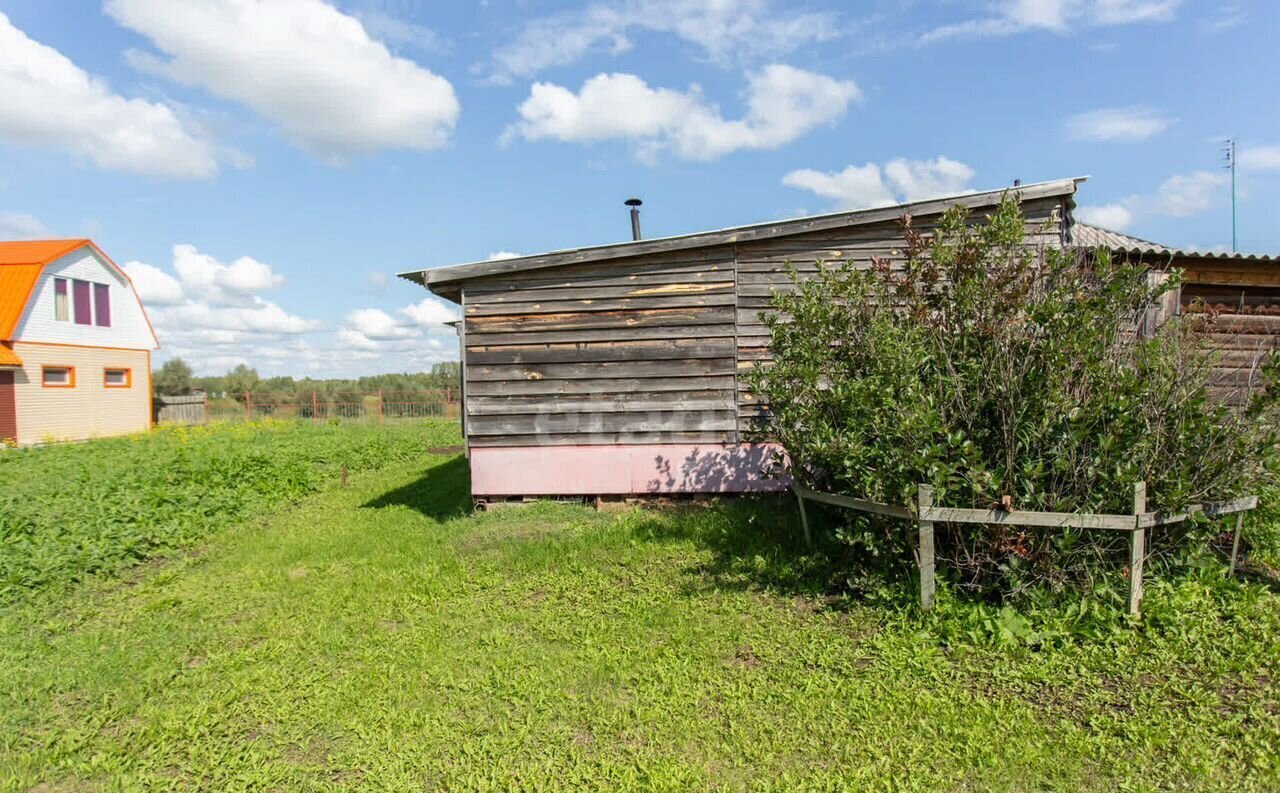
[1136, 524]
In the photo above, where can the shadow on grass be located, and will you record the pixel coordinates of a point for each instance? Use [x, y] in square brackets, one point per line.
[443, 492]
[756, 542]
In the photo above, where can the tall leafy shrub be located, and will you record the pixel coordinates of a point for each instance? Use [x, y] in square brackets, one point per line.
[998, 371]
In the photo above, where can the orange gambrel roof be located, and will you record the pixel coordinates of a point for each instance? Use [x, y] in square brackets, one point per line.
[8, 357]
[20, 266]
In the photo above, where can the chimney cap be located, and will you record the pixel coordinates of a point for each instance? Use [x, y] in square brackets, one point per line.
[633, 202]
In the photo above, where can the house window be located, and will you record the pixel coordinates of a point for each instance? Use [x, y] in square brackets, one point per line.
[117, 378]
[102, 305]
[61, 302]
[59, 377]
[80, 301]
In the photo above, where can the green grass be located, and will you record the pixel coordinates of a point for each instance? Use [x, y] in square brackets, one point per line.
[384, 638]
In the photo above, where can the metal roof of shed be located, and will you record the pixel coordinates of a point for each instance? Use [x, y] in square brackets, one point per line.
[1087, 236]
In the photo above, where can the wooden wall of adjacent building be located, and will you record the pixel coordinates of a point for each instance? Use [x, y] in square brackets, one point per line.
[1239, 301]
[651, 349]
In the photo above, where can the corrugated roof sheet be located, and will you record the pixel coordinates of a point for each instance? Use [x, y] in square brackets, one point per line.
[36, 251]
[8, 357]
[1087, 236]
[16, 283]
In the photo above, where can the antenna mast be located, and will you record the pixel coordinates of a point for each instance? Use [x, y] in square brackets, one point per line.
[1230, 154]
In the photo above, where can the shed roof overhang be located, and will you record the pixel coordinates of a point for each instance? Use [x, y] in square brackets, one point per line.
[446, 281]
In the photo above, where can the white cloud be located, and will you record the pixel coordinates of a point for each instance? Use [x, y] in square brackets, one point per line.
[783, 103]
[377, 324]
[430, 313]
[1259, 158]
[1126, 124]
[50, 102]
[300, 63]
[1056, 16]
[499, 255]
[1116, 217]
[154, 286]
[1184, 195]
[725, 31]
[900, 180]
[22, 226]
[205, 278]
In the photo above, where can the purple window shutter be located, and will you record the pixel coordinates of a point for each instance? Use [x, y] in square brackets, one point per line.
[102, 305]
[80, 296]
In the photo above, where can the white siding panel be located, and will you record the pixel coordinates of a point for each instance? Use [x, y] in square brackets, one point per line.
[129, 328]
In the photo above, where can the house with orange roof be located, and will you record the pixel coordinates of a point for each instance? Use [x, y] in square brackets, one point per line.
[75, 344]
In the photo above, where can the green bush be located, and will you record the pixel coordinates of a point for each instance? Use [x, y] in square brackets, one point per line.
[991, 368]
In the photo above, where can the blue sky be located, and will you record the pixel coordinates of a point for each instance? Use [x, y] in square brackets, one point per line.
[262, 167]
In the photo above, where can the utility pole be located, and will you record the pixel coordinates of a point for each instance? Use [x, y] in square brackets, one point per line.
[1230, 153]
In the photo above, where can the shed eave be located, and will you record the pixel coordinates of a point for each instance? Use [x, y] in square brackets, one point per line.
[444, 281]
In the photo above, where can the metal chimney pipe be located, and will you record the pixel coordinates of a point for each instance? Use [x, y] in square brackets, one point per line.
[634, 203]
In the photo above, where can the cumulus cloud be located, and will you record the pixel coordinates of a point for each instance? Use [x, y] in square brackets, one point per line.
[208, 279]
[1116, 217]
[724, 30]
[50, 102]
[430, 313]
[1058, 16]
[1123, 124]
[500, 255]
[154, 286]
[22, 226]
[1259, 158]
[1184, 195]
[783, 103]
[898, 181]
[311, 69]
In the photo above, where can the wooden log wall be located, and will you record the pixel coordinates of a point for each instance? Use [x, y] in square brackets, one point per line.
[1239, 302]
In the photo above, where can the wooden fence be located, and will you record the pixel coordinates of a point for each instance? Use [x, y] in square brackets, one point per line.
[1136, 524]
[190, 409]
[376, 406]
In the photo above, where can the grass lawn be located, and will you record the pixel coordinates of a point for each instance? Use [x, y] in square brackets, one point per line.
[382, 637]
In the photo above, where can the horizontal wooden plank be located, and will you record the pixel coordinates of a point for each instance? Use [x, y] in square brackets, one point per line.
[612, 274]
[848, 502]
[600, 319]
[600, 439]
[648, 350]
[1263, 275]
[1079, 520]
[508, 405]
[599, 386]
[604, 333]
[601, 369]
[592, 292]
[601, 423]
[724, 298]
[1211, 510]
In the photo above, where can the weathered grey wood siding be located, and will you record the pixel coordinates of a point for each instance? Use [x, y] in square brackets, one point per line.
[761, 268]
[638, 350]
[1239, 302]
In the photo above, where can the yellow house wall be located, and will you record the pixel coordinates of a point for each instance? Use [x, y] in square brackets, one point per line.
[89, 410]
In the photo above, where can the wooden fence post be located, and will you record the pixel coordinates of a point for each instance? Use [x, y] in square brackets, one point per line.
[1235, 543]
[804, 520]
[379, 405]
[315, 407]
[448, 402]
[924, 501]
[248, 406]
[1137, 549]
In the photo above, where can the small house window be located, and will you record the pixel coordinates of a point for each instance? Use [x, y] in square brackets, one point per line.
[59, 377]
[102, 305]
[81, 302]
[61, 304]
[117, 378]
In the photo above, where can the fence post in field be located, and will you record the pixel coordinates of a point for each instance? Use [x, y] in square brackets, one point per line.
[248, 406]
[1235, 543]
[448, 402]
[1137, 549]
[924, 501]
[206, 408]
[379, 405]
[315, 407]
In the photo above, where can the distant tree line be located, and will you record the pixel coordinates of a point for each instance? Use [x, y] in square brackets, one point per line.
[175, 378]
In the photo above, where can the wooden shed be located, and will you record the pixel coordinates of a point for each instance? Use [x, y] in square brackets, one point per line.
[1237, 295]
[618, 369]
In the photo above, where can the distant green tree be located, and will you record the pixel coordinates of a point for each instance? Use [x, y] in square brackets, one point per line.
[240, 381]
[173, 379]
